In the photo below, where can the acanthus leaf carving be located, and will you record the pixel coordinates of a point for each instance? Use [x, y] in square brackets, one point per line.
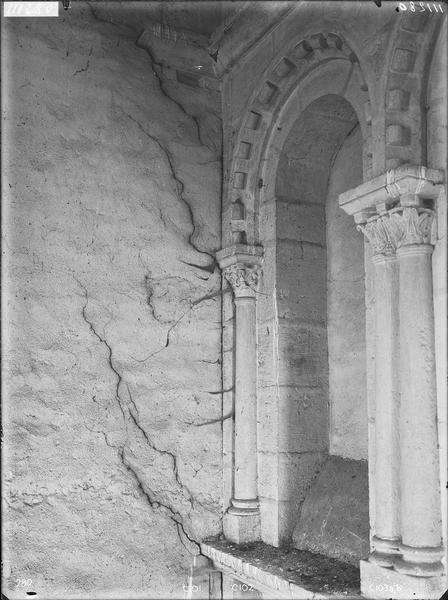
[414, 226]
[380, 235]
[400, 226]
[242, 278]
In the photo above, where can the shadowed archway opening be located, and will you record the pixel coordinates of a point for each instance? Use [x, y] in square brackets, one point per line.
[321, 340]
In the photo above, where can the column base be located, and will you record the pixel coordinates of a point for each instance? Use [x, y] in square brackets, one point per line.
[241, 525]
[420, 562]
[386, 584]
[386, 551]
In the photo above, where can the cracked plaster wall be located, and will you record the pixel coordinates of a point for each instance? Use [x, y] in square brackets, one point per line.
[113, 304]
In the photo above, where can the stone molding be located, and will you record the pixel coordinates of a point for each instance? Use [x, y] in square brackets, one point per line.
[408, 56]
[288, 69]
[401, 226]
[408, 186]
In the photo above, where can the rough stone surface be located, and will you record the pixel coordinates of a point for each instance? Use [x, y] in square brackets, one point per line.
[334, 518]
[285, 572]
[320, 310]
[112, 215]
[242, 529]
[346, 310]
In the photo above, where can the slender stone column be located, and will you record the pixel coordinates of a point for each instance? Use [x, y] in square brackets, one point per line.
[387, 452]
[395, 211]
[243, 280]
[421, 546]
[241, 267]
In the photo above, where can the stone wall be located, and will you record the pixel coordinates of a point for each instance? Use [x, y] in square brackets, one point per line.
[320, 301]
[346, 310]
[334, 517]
[112, 300]
[312, 274]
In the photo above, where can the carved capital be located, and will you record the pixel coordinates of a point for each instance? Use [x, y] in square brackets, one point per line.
[413, 225]
[380, 235]
[241, 266]
[243, 278]
[398, 227]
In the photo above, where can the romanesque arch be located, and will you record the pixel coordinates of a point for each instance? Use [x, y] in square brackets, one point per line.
[321, 71]
[394, 209]
[259, 131]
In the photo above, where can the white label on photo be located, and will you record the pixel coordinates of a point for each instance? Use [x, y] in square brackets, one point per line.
[30, 9]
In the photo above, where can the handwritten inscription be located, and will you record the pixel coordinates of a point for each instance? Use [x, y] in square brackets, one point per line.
[419, 7]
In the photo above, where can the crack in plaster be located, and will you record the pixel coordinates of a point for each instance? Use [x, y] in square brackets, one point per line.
[154, 504]
[109, 349]
[218, 420]
[134, 417]
[157, 505]
[167, 343]
[86, 68]
[180, 184]
[156, 66]
[180, 187]
[149, 295]
[207, 268]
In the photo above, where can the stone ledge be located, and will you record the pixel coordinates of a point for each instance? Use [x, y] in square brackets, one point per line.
[284, 572]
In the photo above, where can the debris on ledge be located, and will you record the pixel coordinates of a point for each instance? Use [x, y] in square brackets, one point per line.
[284, 572]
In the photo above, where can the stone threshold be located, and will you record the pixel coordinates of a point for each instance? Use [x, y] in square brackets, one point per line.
[284, 572]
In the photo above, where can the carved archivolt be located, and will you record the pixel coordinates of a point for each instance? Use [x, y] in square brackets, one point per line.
[400, 226]
[282, 77]
[413, 37]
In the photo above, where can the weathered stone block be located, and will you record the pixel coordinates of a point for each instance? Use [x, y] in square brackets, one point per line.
[292, 419]
[403, 60]
[300, 222]
[242, 528]
[287, 475]
[302, 354]
[334, 518]
[301, 281]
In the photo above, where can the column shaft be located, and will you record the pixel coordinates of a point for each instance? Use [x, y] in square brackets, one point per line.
[241, 267]
[420, 495]
[396, 212]
[245, 474]
[386, 459]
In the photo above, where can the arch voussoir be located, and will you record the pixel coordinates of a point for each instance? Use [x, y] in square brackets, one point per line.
[284, 75]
